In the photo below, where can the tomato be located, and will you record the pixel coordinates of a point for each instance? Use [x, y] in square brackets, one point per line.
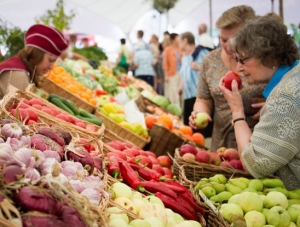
[229, 77]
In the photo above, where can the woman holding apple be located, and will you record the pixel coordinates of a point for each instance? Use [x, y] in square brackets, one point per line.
[274, 145]
[215, 65]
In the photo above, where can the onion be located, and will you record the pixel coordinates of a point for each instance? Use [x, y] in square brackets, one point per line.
[32, 174]
[62, 133]
[7, 121]
[52, 135]
[77, 185]
[92, 194]
[52, 154]
[12, 130]
[79, 154]
[72, 217]
[30, 199]
[43, 143]
[47, 221]
[13, 173]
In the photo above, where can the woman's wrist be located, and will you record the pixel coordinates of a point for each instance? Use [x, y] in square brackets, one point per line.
[238, 114]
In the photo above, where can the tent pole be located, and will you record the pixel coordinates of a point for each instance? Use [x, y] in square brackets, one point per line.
[210, 18]
[281, 9]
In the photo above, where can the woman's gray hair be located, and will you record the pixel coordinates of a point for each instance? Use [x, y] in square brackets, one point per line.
[265, 39]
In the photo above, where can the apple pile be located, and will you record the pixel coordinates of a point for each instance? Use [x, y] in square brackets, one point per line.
[150, 210]
[259, 201]
[26, 111]
[225, 157]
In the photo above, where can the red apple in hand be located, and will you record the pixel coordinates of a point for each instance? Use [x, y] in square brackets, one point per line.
[229, 77]
[164, 161]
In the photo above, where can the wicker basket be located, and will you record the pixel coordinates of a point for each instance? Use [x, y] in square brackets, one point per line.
[163, 141]
[142, 102]
[193, 171]
[122, 132]
[132, 216]
[13, 98]
[212, 216]
[111, 136]
[49, 86]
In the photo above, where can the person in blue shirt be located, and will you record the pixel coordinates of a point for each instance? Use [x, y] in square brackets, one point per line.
[143, 63]
[188, 72]
[266, 54]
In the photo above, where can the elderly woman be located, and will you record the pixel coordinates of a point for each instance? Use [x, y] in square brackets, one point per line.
[266, 54]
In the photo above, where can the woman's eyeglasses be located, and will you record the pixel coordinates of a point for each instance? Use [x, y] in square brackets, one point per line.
[242, 61]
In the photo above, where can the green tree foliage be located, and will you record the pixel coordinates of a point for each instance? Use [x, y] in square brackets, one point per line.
[57, 17]
[163, 6]
[11, 39]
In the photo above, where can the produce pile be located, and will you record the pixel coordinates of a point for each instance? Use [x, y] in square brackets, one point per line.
[254, 202]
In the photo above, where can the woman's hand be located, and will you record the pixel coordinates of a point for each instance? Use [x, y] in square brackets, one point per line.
[195, 66]
[192, 122]
[233, 98]
[257, 106]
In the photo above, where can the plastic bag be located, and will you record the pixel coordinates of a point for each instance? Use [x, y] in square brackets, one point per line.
[122, 98]
[133, 114]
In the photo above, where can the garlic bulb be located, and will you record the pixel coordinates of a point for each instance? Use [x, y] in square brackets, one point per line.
[24, 155]
[77, 185]
[61, 177]
[92, 182]
[52, 154]
[93, 195]
[38, 156]
[12, 130]
[2, 140]
[73, 170]
[50, 166]
[16, 144]
[7, 156]
[69, 171]
[32, 174]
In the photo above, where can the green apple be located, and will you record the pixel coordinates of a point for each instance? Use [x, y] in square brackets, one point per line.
[153, 199]
[117, 223]
[276, 199]
[256, 184]
[185, 224]
[294, 212]
[178, 218]
[292, 225]
[153, 210]
[227, 210]
[125, 203]
[234, 199]
[139, 223]
[116, 213]
[154, 222]
[169, 213]
[138, 203]
[121, 190]
[250, 201]
[171, 222]
[208, 191]
[263, 198]
[201, 120]
[265, 211]
[195, 224]
[255, 219]
[137, 195]
[278, 216]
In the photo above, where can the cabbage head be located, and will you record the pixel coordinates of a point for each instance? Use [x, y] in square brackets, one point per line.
[161, 101]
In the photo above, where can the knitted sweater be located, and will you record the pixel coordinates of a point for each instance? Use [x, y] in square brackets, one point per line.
[275, 142]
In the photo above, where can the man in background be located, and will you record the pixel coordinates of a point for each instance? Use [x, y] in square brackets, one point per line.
[204, 39]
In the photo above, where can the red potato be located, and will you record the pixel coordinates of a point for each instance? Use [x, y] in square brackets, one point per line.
[91, 128]
[62, 117]
[36, 101]
[31, 122]
[47, 110]
[20, 114]
[32, 114]
[22, 105]
[26, 101]
[80, 124]
[54, 110]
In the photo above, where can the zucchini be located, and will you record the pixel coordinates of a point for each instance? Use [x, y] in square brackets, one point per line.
[57, 102]
[51, 96]
[84, 113]
[95, 121]
[70, 105]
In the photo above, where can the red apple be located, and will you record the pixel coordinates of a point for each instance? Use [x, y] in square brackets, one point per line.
[158, 169]
[231, 154]
[215, 158]
[229, 77]
[220, 151]
[153, 160]
[225, 164]
[143, 160]
[203, 156]
[164, 161]
[237, 164]
[150, 153]
[187, 148]
[189, 157]
[167, 172]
